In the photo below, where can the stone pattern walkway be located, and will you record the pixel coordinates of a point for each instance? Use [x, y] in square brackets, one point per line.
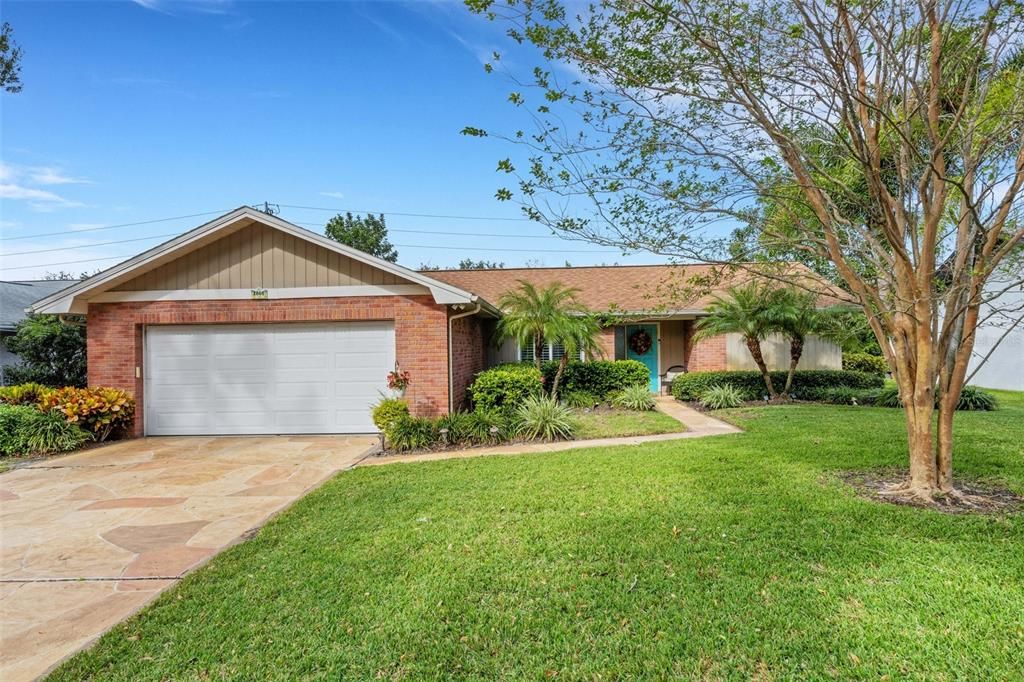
[88, 539]
[698, 425]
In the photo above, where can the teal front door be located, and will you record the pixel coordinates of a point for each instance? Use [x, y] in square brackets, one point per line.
[639, 336]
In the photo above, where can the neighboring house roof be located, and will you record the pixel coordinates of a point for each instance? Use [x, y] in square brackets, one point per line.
[655, 289]
[75, 298]
[15, 297]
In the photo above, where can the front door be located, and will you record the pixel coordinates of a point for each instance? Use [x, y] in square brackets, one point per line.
[644, 337]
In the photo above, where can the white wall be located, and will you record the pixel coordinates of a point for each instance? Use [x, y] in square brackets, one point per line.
[818, 353]
[1005, 367]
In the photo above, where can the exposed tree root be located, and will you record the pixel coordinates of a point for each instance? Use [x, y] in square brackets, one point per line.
[969, 497]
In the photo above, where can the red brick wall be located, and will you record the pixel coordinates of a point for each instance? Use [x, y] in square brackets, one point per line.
[421, 336]
[606, 341]
[467, 356]
[706, 355]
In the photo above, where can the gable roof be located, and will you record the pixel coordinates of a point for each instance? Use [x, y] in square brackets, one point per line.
[16, 296]
[655, 289]
[75, 297]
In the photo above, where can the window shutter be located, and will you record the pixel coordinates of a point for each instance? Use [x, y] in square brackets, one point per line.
[620, 343]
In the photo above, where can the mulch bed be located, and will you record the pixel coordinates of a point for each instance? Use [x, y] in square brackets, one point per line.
[976, 497]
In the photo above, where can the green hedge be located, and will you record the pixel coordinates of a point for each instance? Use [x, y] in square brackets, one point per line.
[805, 382]
[601, 378]
[864, 362]
[505, 386]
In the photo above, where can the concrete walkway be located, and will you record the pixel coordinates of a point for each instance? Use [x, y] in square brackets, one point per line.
[88, 539]
[698, 425]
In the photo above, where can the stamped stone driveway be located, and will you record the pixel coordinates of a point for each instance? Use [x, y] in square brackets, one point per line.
[87, 539]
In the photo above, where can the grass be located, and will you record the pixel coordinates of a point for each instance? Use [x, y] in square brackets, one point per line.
[734, 557]
[612, 423]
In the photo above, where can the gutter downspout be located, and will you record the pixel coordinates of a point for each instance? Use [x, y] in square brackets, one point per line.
[451, 373]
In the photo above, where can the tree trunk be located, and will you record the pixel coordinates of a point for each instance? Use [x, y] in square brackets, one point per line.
[558, 375]
[754, 346]
[796, 349]
[538, 349]
[944, 461]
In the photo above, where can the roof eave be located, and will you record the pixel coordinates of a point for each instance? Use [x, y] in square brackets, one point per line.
[69, 300]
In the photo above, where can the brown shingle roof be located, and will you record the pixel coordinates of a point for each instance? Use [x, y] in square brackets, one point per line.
[623, 288]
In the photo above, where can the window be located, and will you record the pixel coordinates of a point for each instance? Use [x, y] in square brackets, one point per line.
[549, 351]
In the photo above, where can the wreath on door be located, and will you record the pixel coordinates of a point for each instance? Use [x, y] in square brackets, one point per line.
[640, 342]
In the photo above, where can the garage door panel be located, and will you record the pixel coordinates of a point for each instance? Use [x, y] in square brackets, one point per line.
[266, 378]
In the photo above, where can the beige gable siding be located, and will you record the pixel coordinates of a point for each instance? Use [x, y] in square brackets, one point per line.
[259, 257]
[818, 353]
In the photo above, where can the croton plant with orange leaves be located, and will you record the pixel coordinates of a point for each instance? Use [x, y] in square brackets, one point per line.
[101, 411]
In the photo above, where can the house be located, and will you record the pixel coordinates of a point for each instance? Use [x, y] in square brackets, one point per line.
[997, 360]
[249, 324]
[15, 297]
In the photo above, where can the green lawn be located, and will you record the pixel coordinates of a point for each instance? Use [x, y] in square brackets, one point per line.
[734, 557]
[615, 423]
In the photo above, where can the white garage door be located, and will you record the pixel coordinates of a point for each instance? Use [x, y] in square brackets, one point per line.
[265, 378]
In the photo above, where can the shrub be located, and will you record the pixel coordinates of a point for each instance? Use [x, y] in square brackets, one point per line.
[50, 432]
[721, 397]
[972, 398]
[489, 427]
[580, 399]
[603, 378]
[52, 352]
[636, 397]
[459, 428]
[505, 386]
[411, 433]
[13, 419]
[750, 383]
[540, 417]
[388, 410]
[864, 362]
[24, 430]
[839, 395]
[101, 411]
[23, 394]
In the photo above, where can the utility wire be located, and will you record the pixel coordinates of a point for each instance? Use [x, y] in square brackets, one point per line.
[205, 213]
[175, 234]
[111, 227]
[411, 215]
[401, 246]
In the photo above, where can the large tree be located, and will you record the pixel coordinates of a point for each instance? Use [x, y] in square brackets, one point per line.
[367, 233]
[889, 133]
[10, 60]
[52, 352]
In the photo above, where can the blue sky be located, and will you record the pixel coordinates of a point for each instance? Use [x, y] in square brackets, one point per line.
[136, 111]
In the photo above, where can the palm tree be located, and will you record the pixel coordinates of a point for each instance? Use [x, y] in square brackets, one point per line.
[796, 316]
[532, 315]
[748, 311]
[578, 335]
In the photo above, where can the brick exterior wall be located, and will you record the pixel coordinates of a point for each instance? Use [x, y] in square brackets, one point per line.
[468, 351]
[115, 346]
[706, 355]
[606, 341]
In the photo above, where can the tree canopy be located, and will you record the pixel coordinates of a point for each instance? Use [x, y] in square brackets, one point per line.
[367, 233]
[10, 60]
[882, 142]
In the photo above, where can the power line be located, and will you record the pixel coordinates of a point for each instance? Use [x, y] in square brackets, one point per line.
[111, 227]
[411, 215]
[268, 209]
[175, 234]
[89, 246]
[401, 246]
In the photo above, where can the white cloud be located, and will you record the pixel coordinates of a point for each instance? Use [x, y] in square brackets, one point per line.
[46, 175]
[28, 183]
[333, 195]
[21, 193]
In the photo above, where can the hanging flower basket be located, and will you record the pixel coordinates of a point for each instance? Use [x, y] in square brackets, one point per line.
[640, 342]
[398, 381]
